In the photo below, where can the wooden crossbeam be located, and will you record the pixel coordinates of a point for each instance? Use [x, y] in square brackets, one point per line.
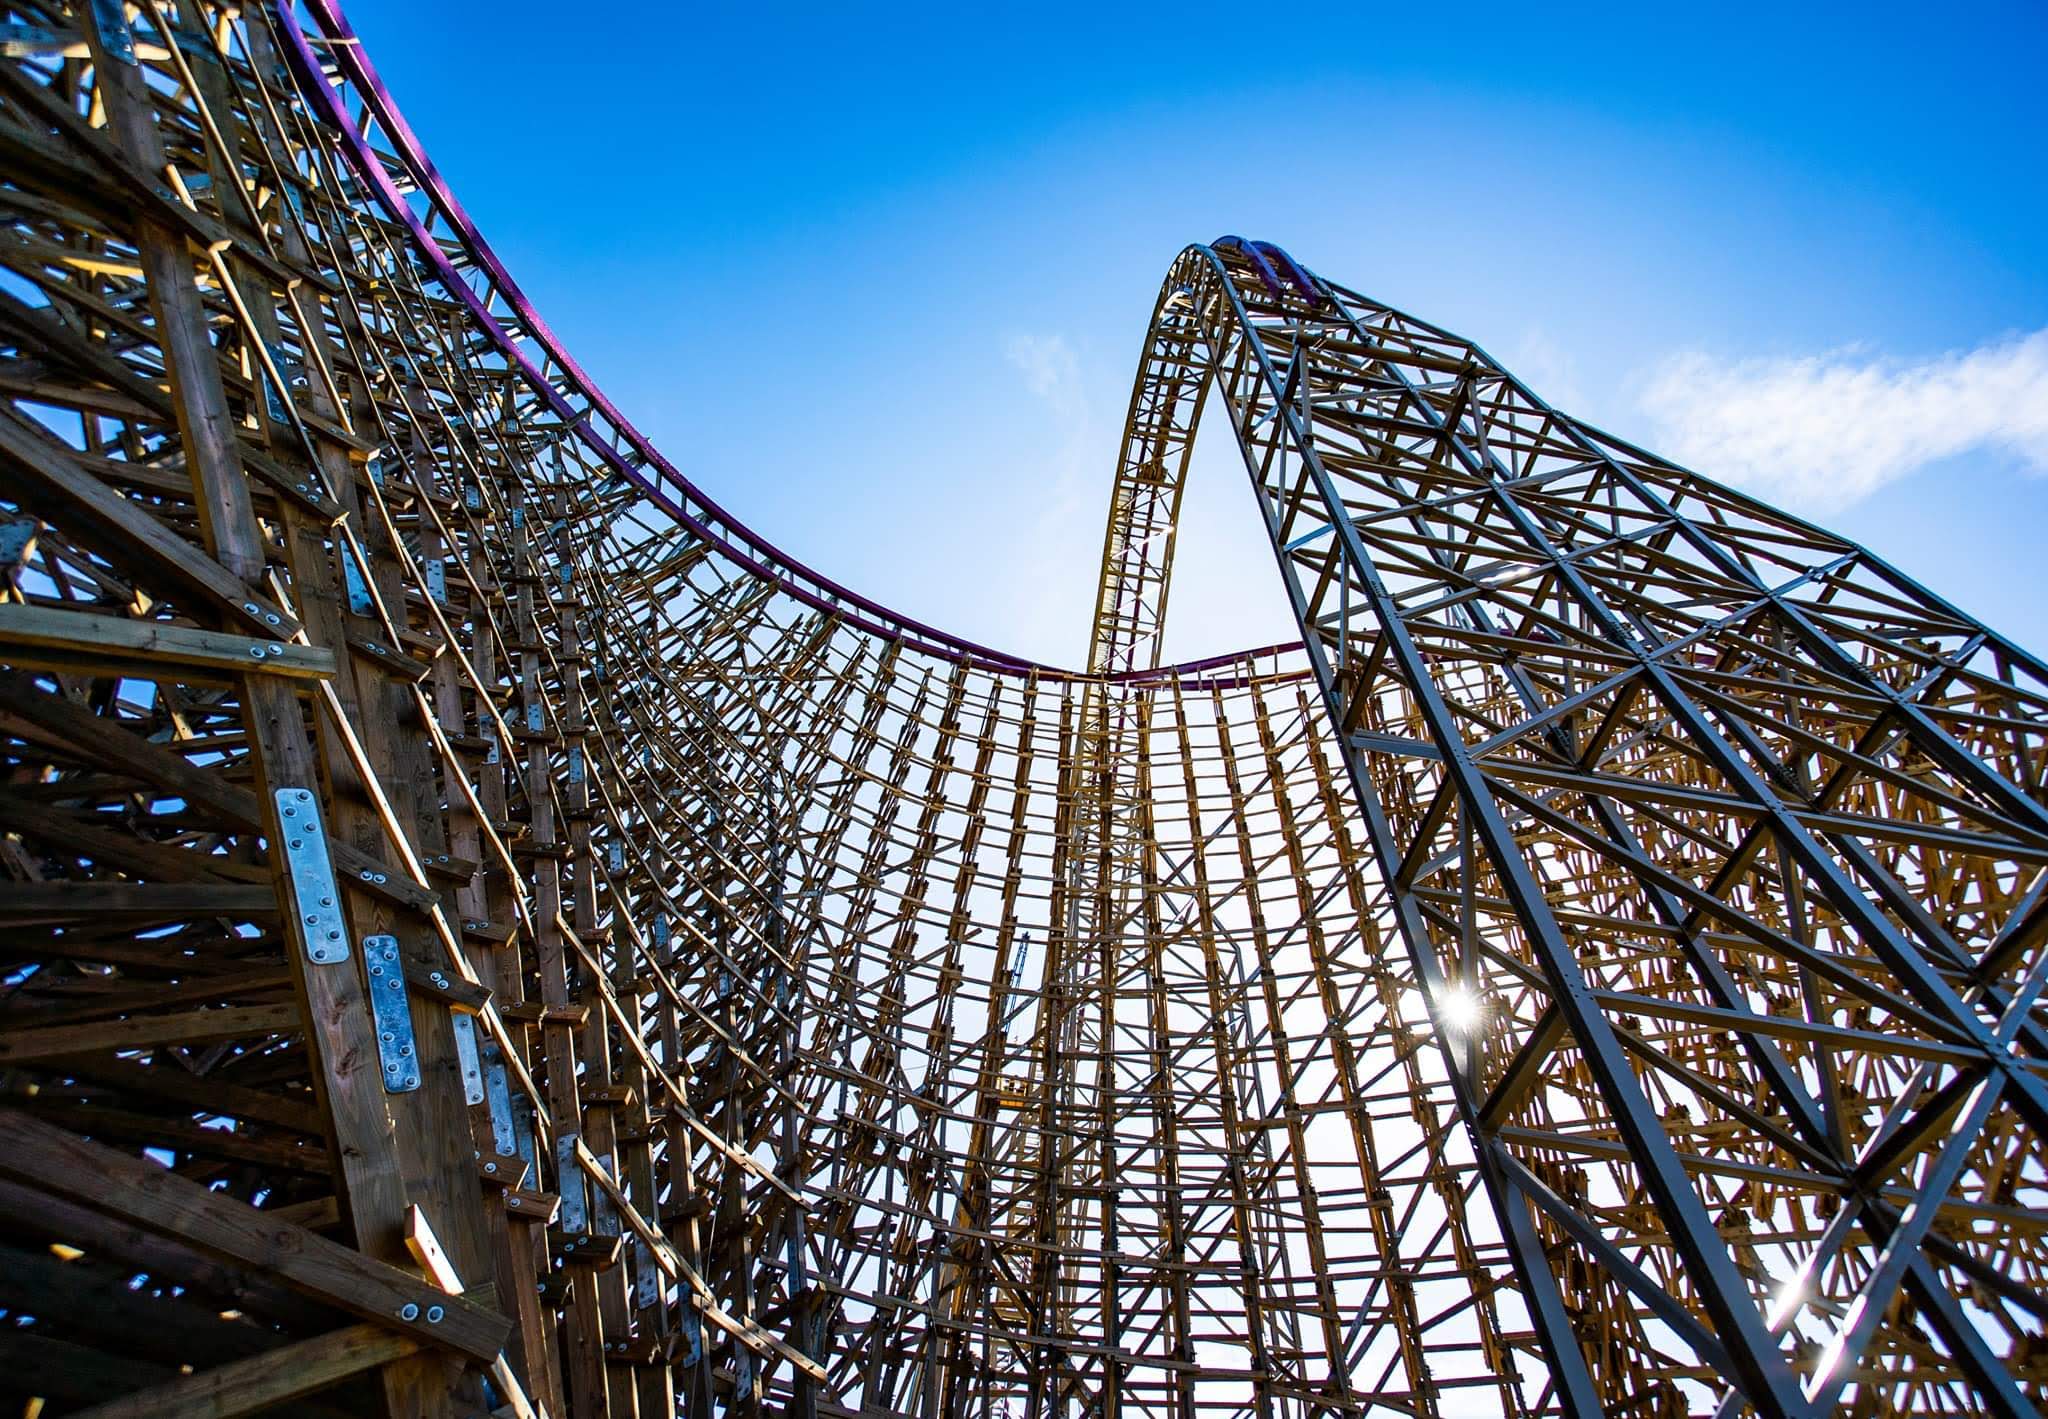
[48, 638]
[41, 1155]
[275, 1377]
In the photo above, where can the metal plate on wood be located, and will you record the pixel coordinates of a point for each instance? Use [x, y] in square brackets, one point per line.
[17, 543]
[274, 395]
[570, 1183]
[604, 1216]
[437, 579]
[498, 1093]
[111, 16]
[358, 589]
[646, 1278]
[465, 1055]
[396, 1049]
[314, 894]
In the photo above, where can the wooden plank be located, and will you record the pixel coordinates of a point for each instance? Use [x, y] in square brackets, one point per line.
[245, 1386]
[35, 1364]
[46, 637]
[427, 1250]
[42, 1156]
[24, 903]
[121, 750]
[200, 1093]
[31, 1212]
[80, 503]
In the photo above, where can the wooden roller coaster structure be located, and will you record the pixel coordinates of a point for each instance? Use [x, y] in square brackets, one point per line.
[484, 932]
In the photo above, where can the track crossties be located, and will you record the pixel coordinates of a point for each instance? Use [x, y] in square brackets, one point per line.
[485, 932]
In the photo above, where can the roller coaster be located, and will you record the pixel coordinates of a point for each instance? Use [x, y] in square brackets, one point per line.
[486, 932]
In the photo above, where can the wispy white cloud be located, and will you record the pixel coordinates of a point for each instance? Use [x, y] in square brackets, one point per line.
[1050, 370]
[1823, 431]
[1548, 368]
[1053, 556]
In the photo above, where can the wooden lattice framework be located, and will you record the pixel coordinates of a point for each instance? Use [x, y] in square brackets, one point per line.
[484, 931]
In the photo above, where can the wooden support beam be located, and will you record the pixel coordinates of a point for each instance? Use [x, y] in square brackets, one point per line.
[146, 1031]
[274, 1377]
[130, 1189]
[47, 638]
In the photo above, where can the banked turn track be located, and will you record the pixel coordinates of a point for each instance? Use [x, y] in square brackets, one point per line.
[484, 931]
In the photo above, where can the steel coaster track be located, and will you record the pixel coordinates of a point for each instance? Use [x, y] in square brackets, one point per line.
[487, 932]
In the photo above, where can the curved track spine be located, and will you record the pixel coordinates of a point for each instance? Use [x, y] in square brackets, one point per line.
[728, 996]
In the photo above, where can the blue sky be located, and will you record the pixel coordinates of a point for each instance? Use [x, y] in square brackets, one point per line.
[878, 281]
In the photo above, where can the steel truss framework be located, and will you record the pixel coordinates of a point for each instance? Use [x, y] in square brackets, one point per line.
[486, 932]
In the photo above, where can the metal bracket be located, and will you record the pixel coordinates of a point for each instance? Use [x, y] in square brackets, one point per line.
[604, 1215]
[112, 18]
[358, 590]
[396, 1048]
[571, 1184]
[465, 1055]
[437, 580]
[314, 893]
[273, 396]
[646, 1280]
[498, 1090]
[17, 545]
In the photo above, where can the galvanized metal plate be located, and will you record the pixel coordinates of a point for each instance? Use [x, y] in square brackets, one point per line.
[358, 589]
[646, 1276]
[315, 895]
[112, 18]
[604, 1215]
[498, 1093]
[397, 1051]
[571, 1184]
[466, 1056]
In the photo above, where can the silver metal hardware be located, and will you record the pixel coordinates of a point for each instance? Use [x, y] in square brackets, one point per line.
[316, 896]
[111, 16]
[498, 1093]
[358, 589]
[569, 1183]
[465, 1054]
[396, 1047]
